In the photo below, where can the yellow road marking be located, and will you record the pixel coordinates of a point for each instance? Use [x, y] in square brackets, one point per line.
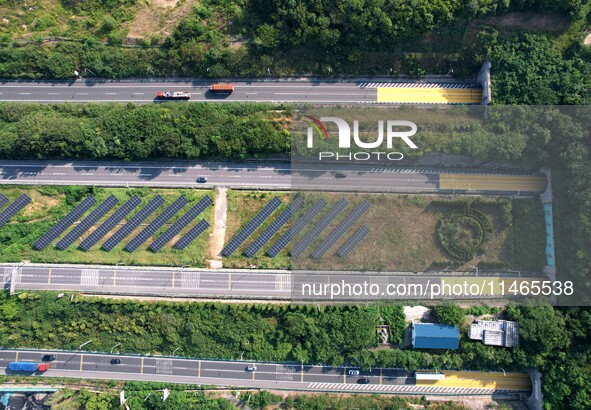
[380, 375]
[344, 375]
[199, 369]
[49, 277]
[254, 371]
[114, 277]
[430, 95]
[81, 361]
[527, 183]
[142, 367]
[481, 380]
[173, 276]
[302, 374]
[229, 281]
[16, 359]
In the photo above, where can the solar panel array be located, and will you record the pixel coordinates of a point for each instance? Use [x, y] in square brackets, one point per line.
[340, 230]
[3, 200]
[110, 223]
[133, 223]
[180, 224]
[190, 236]
[272, 229]
[14, 208]
[87, 222]
[332, 213]
[65, 222]
[156, 224]
[353, 241]
[296, 227]
[251, 227]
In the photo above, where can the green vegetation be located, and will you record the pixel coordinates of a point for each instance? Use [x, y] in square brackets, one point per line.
[51, 203]
[463, 232]
[214, 330]
[141, 132]
[246, 38]
[449, 314]
[147, 396]
[242, 207]
[552, 339]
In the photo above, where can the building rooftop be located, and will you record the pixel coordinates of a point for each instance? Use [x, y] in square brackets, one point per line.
[495, 332]
[435, 336]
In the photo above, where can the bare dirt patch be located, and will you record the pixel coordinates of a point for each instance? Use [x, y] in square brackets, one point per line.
[41, 202]
[216, 243]
[159, 17]
[587, 40]
[528, 21]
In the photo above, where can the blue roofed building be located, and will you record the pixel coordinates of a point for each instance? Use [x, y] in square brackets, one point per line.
[435, 336]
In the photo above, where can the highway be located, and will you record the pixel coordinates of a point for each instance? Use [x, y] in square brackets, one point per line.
[236, 283]
[275, 91]
[267, 375]
[358, 178]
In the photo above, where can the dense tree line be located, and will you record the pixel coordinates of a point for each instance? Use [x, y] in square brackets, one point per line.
[256, 332]
[289, 37]
[140, 132]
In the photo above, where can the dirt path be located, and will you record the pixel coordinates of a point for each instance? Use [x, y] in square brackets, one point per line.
[216, 242]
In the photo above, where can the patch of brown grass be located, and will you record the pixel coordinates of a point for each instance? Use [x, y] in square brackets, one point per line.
[159, 17]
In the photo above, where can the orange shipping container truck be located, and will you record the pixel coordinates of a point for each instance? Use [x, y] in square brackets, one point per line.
[222, 88]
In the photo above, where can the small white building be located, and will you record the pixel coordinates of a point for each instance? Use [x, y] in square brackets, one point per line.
[495, 332]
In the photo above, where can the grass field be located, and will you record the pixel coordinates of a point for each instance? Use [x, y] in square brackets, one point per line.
[50, 204]
[402, 233]
[242, 207]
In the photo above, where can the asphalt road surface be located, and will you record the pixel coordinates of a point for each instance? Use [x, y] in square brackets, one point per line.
[234, 373]
[292, 91]
[265, 176]
[245, 284]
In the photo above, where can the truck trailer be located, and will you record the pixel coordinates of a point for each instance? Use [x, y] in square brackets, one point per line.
[28, 367]
[173, 95]
[221, 88]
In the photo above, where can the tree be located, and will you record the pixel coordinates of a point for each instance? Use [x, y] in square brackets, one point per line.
[449, 314]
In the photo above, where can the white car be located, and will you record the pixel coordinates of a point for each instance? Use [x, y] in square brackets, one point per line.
[353, 372]
[251, 368]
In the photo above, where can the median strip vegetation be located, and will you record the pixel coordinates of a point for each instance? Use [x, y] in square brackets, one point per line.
[141, 132]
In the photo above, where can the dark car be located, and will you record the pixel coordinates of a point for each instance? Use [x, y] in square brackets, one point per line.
[115, 361]
[201, 180]
[340, 175]
[48, 358]
[363, 381]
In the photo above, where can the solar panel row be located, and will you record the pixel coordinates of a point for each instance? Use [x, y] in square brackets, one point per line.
[272, 229]
[352, 242]
[133, 223]
[14, 208]
[156, 224]
[340, 230]
[251, 227]
[110, 223]
[65, 222]
[307, 240]
[178, 226]
[296, 227]
[3, 200]
[190, 236]
[87, 222]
